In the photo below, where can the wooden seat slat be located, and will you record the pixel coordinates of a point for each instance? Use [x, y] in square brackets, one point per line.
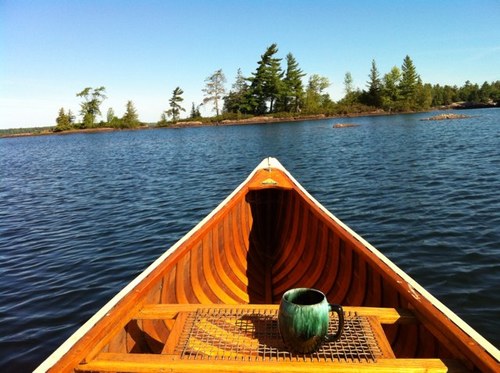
[115, 362]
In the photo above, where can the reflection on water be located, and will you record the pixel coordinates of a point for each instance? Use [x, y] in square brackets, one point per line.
[81, 215]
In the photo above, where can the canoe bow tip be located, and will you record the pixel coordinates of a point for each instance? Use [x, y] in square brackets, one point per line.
[270, 163]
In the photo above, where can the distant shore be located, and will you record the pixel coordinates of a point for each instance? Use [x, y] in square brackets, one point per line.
[189, 124]
[236, 122]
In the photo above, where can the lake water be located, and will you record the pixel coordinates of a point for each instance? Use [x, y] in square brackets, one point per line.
[82, 214]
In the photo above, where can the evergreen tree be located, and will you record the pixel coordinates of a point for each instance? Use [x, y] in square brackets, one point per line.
[175, 107]
[469, 92]
[266, 84]
[71, 117]
[391, 95]
[214, 90]
[237, 100]
[293, 90]
[485, 93]
[195, 111]
[63, 121]
[130, 119]
[423, 96]
[408, 84]
[495, 92]
[373, 96]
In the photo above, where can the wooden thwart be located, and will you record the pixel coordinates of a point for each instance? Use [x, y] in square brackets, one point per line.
[110, 362]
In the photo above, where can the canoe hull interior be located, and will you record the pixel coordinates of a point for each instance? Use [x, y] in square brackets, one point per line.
[269, 241]
[268, 237]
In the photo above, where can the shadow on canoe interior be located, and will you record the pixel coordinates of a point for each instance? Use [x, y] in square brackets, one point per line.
[264, 242]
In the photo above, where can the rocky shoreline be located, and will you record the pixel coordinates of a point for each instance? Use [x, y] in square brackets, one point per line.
[235, 122]
[446, 116]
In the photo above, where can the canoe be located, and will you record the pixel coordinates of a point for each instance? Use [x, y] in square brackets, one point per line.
[210, 302]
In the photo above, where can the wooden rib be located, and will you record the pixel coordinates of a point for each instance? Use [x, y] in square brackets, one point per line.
[182, 276]
[117, 343]
[169, 293]
[304, 266]
[246, 223]
[321, 261]
[281, 281]
[212, 273]
[241, 254]
[283, 218]
[135, 341]
[234, 292]
[407, 345]
[329, 276]
[374, 291]
[428, 345]
[239, 224]
[233, 263]
[201, 291]
[207, 265]
[358, 287]
[156, 334]
[225, 271]
[343, 282]
[295, 210]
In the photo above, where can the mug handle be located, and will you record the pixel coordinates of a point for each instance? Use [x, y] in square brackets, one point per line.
[340, 312]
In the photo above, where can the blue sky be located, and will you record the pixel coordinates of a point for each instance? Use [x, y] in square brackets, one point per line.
[142, 50]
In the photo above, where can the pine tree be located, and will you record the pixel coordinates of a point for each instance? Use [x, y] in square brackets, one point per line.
[214, 89]
[238, 98]
[408, 84]
[195, 111]
[391, 95]
[71, 117]
[373, 96]
[175, 107]
[63, 121]
[266, 84]
[423, 96]
[130, 119]
[293, 91]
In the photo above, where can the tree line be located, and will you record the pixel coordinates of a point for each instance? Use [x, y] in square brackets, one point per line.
[90, 109]
[277, 87]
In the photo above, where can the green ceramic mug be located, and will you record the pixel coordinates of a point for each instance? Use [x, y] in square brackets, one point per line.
[303, 319]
